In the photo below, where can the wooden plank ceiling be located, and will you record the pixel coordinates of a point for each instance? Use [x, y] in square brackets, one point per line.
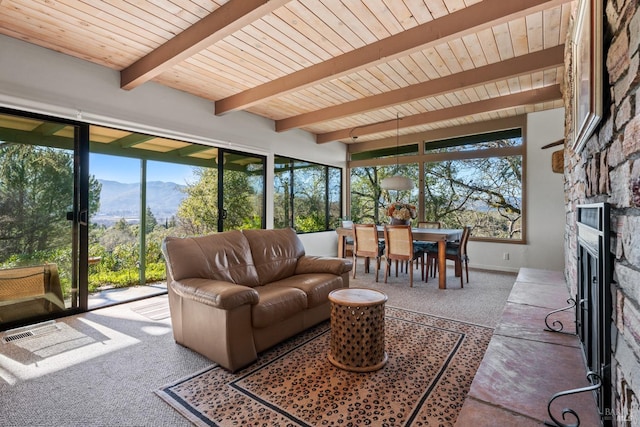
[335, 68]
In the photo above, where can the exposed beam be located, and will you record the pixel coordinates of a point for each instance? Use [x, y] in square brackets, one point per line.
[466, 21]
[525, 64]
[223, 21]
[194, 149]
[132, 140]
[49, 128]
[17, 136]
[534, 96]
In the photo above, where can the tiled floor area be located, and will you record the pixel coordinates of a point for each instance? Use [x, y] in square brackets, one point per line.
[525, 365]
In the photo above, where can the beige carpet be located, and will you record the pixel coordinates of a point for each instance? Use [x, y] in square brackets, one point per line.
[432, 362]
[110, 378]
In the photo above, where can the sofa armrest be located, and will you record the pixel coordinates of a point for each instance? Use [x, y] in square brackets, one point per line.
[216, 293]
[318, 264]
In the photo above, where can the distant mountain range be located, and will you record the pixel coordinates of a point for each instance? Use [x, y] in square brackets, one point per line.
[118, 200]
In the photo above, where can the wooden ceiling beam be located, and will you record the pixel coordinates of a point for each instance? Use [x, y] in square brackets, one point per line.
[194, 149]
[132, 140]
[525, 64]
[465, 21]
[548, 93]
[222, 22]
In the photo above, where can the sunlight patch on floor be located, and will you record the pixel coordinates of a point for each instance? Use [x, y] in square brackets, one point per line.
[36, 356]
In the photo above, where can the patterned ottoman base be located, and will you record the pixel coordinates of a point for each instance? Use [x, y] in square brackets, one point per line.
[357, 329]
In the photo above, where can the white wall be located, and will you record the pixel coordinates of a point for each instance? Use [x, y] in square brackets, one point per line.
[544, 248]
[40, 80]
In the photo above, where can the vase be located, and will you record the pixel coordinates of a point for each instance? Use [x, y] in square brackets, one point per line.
[396, 221]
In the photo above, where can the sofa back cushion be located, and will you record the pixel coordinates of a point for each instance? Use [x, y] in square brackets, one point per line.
[275, 253]
[221, 256]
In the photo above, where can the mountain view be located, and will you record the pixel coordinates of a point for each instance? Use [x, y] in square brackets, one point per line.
[119, 200]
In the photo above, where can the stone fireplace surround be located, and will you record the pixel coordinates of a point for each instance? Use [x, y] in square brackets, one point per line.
[607, 169]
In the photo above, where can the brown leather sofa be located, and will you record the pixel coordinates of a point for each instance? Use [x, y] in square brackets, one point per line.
[237, 293]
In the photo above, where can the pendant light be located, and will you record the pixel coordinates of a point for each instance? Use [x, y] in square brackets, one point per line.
[397, 182]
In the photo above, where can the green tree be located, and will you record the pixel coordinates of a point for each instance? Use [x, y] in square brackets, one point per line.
[484, 192]
[310, 198]
[369, 201]
[120, 234]
[36, 192]
[198, 212]
[151, 221]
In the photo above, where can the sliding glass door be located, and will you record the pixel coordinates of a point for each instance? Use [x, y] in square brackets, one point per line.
[84, 210]
[242, 188]
[42, 218]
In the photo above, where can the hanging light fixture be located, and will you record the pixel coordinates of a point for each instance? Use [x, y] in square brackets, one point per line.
[397, 182]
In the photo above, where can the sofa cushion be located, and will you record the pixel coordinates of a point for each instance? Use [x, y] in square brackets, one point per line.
[277, 303]
[216, 293]
[275, 253]
[319, 264]
[221, 256]
[315, 286]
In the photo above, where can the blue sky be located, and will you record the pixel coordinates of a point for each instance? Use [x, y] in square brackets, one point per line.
[126, 170]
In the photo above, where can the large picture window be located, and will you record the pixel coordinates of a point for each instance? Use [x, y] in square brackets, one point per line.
[307, 196]
[475, 180]
[369, 201]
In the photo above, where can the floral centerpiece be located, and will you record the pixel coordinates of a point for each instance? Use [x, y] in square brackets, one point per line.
[401, 212]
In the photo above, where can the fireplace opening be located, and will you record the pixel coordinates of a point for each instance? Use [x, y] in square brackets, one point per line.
[594, 298]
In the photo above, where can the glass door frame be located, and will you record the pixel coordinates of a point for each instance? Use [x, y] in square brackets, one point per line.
[78, 216]
[222, 212]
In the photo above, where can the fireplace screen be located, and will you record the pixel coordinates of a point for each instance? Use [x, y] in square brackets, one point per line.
[594, 300]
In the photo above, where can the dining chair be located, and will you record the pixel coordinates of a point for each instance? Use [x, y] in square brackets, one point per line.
[366, 244]
[348, 241]
[425, 246]
[455, 251]
[399, 248]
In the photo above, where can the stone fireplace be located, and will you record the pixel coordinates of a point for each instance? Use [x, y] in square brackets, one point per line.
[607, 170]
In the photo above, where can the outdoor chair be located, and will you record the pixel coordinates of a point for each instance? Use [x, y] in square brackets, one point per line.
[29, 291]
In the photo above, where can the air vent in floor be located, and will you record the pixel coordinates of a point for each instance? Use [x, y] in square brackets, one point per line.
[31, 331]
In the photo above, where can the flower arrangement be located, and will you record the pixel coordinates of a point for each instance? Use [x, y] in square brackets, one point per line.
[403, 211]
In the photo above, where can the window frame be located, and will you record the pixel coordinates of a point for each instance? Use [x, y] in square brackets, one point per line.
[463, 131]
[330, 223]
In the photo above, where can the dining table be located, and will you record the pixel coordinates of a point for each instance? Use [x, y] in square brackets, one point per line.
[438, 235]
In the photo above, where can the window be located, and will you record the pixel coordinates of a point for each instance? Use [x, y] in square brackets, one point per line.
[476, 181]
[307, 196]
[473, 180]
[368, 201]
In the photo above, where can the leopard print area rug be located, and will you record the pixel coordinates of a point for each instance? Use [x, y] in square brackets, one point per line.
[432, 362]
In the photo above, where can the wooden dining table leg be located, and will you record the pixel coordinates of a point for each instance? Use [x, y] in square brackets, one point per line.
[442, 264]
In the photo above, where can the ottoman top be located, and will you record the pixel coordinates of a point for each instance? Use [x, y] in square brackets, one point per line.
[357, 297]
